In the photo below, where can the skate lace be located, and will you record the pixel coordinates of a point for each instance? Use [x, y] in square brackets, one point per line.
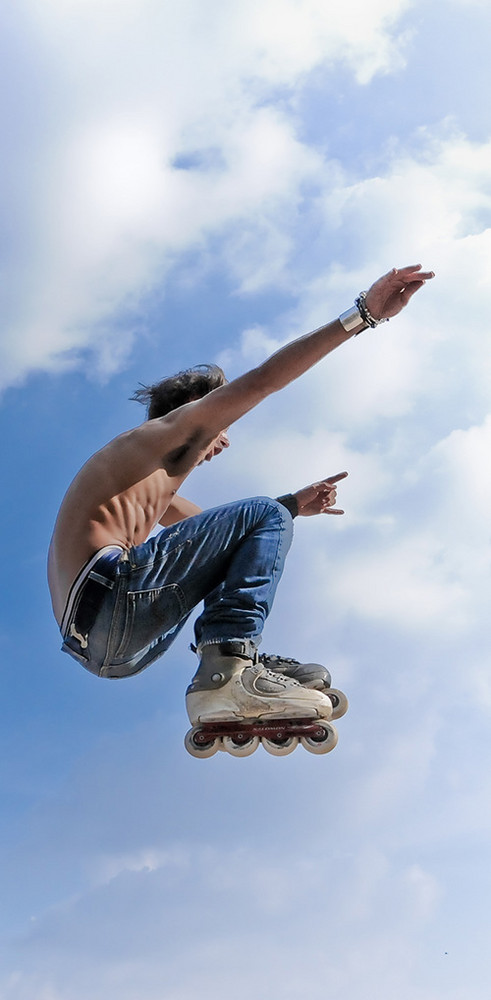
[273, 676]
[276, 658]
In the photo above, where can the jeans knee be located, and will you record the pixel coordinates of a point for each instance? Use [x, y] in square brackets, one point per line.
[276, 513]
[276, 506]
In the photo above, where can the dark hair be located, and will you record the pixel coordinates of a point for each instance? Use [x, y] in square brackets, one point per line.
[174, 391]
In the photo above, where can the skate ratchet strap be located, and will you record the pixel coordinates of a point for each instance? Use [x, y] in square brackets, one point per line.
[244, 648]
[239, 647]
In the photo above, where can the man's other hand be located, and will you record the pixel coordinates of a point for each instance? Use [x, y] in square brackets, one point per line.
[319, 498]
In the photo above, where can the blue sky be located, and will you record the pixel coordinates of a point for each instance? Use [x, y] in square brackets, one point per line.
[202, 181]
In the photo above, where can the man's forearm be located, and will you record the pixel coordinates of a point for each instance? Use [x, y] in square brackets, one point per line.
[295, 358]
[226, 405]
[384, 299]
[178, 510]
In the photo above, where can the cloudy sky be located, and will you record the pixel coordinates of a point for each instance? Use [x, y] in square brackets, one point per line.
[203, 180]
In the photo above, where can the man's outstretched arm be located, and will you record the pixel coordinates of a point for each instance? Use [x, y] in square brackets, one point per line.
[384, 300]
[179, 440]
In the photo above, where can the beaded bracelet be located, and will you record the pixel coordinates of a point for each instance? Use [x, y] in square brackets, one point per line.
[361, 305]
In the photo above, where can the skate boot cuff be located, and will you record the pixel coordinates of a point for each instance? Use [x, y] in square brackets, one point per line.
[246, 649]
[219, 661]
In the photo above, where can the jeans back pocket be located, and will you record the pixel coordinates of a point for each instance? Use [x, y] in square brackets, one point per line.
[147, 616]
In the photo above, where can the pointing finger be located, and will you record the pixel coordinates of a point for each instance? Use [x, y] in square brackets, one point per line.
[420, 276]
[336, 479]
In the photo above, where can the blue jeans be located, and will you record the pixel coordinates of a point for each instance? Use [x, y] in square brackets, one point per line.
[230, 557]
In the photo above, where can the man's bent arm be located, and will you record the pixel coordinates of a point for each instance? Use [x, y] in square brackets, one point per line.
[178, 510]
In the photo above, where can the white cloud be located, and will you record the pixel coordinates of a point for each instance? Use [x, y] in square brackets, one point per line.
[461, 462]
[131, 93]
[433, 207]
[407, 583]
[144, 170]
[146, 859]
[425, 554]
[471, 3]
[269, 457]
[396, 777]
[273, 41]
[424, 891]
[423, 560]
[148, 155]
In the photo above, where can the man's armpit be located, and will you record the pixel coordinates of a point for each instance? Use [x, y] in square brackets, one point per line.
[177, 460]
[174, 458]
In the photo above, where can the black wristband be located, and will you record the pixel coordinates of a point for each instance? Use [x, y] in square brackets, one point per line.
[290, 502]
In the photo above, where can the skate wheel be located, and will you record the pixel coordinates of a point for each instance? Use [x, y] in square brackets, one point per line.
[241, 747]
[200, 749]
[322, 741]
[339, 702]
[280, 747]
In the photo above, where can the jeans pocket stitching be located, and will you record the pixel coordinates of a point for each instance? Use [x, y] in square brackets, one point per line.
[130, 606]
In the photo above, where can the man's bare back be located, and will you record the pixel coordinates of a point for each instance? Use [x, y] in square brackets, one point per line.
[112, 502]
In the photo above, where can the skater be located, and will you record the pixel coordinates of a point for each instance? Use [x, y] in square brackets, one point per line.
[121, 595]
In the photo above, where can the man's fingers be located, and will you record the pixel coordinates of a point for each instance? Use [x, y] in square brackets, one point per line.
[409, 290]
[408, 267]
[412, 273]
[419, 276]
[333, 510]
[335, 479]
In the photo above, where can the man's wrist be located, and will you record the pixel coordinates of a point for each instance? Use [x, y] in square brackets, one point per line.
[289, 501]
[361, 305]
[357, 315]
[351, 319]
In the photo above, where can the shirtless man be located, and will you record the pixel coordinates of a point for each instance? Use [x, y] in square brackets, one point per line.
[120, 597]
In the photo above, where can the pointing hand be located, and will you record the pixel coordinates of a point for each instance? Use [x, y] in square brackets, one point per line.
[320, 497]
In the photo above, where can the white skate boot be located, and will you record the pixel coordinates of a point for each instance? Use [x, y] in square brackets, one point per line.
[310, 675]
[235, 702]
